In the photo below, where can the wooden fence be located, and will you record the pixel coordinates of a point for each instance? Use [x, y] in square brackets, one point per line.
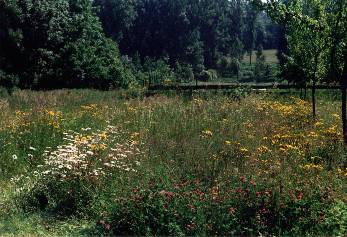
[229, 86]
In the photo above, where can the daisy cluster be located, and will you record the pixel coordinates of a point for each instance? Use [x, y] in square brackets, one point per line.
[93, 154]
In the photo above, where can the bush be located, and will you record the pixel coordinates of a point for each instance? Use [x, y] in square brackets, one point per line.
[293, 73]
[58, 197]
[184, 72]
[261, 71]
[199, 68]
[158, 71]
[209, 75]
[205, 76]
[214, 74]
[58, 44]
[8, 81]
[247, 76]
[336, 220]
[239, 208]
[72, 175]
[229, 66]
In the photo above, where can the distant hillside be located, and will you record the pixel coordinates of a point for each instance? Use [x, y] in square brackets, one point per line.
[270, 56]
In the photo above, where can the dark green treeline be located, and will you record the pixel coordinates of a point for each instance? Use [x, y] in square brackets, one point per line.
[47, 44]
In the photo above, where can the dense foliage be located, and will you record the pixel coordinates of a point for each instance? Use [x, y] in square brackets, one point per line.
[48, 44]
[195, 32]
[315, 38]
[54, 44]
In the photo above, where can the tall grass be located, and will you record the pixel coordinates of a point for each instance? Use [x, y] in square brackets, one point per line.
[205, 164]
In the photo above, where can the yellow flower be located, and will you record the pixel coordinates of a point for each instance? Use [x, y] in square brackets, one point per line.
[313, 135]
[83, 139]
[342, 172]
[207, 133]
[336, 116]
[103, 136]
[227, 143]
[197, 101]
[98, 147]
[131, 109]
[89, 107]
[287, 147]
[244, 150]
[51, 113]
[54, 124]
[318, 124]
[134, 136]
[313, 167]
[263, 150]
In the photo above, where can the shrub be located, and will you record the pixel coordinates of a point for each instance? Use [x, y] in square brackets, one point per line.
[209, 75]
[158, 71]
[199, 68]
[213, 74]
[229, 66]
[9, 81]
[64, 47]
[261, 70]
[184, 72]
[247, 76]
[204, 76]
[293, 73]
[336, 220]
[73, 174]
[190, 208]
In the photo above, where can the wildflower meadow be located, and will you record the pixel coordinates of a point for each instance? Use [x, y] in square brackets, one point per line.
[84, 162]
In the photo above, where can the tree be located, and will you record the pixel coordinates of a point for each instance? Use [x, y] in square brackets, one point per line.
[337, 46]
[117, 17]
[260, 66]
[249, 33]
[94, 59]
[194, 52]
[9, 38]
[195, 32]
[334, 26]
[306, 42]
[58, 43]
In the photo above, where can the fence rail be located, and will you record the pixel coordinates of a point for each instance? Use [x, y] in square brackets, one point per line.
[228, 86]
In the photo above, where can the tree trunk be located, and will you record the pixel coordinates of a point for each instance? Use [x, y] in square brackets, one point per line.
[250, 57]
[314, 98]
[344, 116]
[344, 103]
[314, 81]
[301, 92]
[305, 91]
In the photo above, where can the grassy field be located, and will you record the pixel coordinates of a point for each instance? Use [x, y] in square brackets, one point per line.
[270, 56]
[81, 162]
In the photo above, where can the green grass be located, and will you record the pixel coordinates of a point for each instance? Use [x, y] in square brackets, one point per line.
[200, 164]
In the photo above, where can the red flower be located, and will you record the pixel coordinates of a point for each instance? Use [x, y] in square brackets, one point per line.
[232, 211]
[168, 195]
[300, 196]
[191, 207]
